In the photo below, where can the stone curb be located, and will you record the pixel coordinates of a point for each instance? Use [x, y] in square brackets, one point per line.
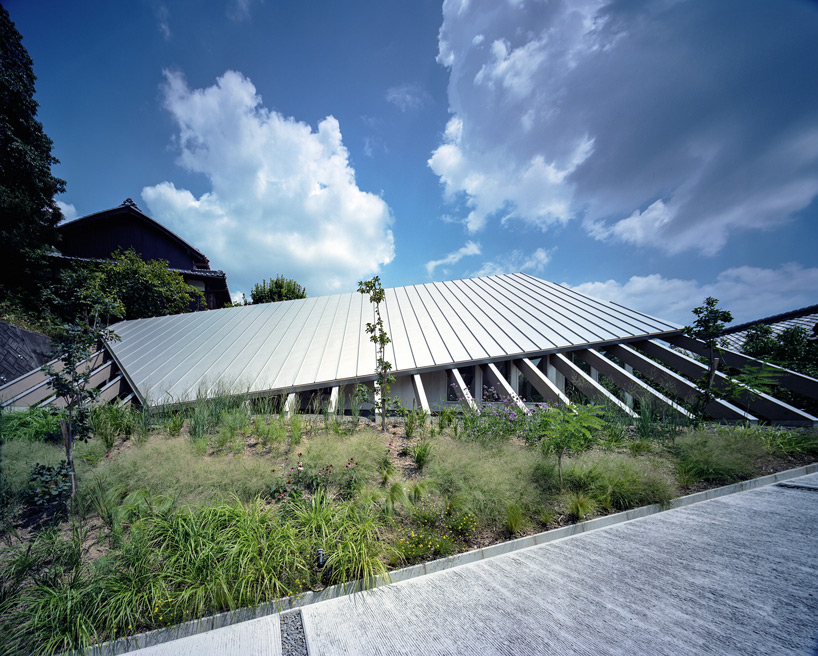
[290, 604]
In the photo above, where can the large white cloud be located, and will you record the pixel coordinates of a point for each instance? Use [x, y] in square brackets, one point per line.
[748, 292]
[283, 197]
[668, 123]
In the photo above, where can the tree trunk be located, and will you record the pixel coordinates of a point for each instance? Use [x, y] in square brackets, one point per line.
[69, 456]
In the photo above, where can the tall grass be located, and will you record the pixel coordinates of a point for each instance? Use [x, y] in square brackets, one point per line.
[181, 564]
[31, 425]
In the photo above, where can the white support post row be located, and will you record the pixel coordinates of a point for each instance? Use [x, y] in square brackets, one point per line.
[791, 380]
[478, 384]
[540, 382]
[464, 391]
[625, 380]
[675, 383]
[759, 403]
[628, 397]
[552, 374]
[420, 393]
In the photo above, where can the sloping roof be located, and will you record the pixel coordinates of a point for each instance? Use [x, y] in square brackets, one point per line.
[319, 341]
[807, 317]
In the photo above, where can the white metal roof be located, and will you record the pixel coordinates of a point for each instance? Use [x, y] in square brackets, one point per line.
[321, 341]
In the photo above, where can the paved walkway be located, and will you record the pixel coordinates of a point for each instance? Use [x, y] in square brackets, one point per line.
[734, 575]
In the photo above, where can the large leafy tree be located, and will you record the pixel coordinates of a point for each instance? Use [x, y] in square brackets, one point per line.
[28, 213]
[280, 289]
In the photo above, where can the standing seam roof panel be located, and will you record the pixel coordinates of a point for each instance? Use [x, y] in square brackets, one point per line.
[260, 344]
[481, 336]
[519, 339]
[421, 355]
[209, 371]
[325, 335]
[457, 351]
[401, 344]
[271, 368]
[592, 311]
[539, 331]
[195, 347]
[428, 328]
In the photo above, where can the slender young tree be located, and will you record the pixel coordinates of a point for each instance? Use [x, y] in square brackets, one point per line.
[378, 336]
[709, 324]
[74, 344]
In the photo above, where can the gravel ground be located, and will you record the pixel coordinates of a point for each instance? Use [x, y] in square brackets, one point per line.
[293, 642]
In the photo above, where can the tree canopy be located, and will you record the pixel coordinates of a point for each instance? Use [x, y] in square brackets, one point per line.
[28, 212]
[280, 289]
[790, 348]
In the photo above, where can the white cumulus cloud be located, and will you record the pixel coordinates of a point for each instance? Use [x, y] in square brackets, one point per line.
[670, 124]
[470, 248]
[748, 292]
[282, 199]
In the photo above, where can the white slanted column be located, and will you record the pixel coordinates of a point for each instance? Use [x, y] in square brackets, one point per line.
[503, 385]
[333, 401]
[420, 393]
[540, 382]
[289, 405]
[586, 384]
[628, 397]
[547, 367]
[627, 381]
[462, 389]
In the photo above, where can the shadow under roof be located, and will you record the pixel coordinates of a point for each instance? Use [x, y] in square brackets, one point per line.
[321, 342]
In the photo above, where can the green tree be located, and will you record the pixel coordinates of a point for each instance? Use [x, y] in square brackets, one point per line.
[74, 343]
[571, 429]
[28, 213]
[709, 324]
[280, 289]
[148, 289]
[378, 336]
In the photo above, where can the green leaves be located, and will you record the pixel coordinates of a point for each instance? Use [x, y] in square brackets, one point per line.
[274, 291]
[379, 337]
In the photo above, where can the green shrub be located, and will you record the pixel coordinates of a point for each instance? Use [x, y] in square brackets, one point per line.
[48, 485]
[619, 482]
[32, 425]
[423, 542]
[723, 456]
[514, 518]
[580, 504]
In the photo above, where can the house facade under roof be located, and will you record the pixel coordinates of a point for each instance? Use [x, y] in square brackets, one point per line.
[97, 236]
[528, 339]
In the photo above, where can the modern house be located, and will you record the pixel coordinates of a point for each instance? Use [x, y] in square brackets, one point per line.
[98, 236]
[530, 340]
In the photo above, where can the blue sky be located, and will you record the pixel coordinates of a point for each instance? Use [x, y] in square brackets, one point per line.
[651, 153]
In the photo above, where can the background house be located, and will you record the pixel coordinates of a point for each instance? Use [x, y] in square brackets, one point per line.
[98, 236]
